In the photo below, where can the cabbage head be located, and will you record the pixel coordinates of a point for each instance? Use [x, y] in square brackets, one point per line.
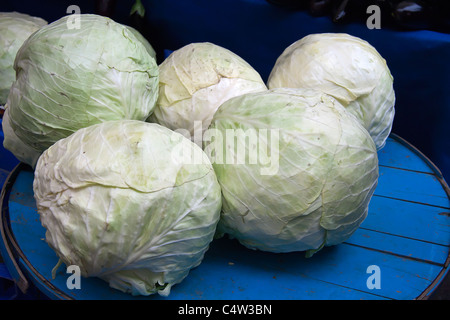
[15, 28]
[144, 41]
[118, 202]
[17, 147]
[195, 80]
[347, 68]
[324, 170]
[69, 78]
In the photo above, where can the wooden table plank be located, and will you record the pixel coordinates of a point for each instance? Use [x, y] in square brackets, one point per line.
[411, 186]
[344, 266]
[395, 154]
[401, 246]
[410, 220]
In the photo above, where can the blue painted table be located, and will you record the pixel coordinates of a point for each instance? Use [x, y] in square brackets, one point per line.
[406, 236]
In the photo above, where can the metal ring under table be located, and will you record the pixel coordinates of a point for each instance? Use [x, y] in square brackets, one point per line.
[406, 237]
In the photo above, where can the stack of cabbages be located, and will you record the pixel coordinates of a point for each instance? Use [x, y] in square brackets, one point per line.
[139, 167]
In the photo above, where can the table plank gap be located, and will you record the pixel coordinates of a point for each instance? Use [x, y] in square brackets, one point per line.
[412, 201]
[398, 255]
[406, 237]
[430, 173]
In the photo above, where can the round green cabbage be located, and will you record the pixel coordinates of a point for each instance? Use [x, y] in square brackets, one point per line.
[195, 80]
[15, 28]
[144, 41]
[120, 203]
[323, 170]
[17, 147]
[68, 78]
[347, 68]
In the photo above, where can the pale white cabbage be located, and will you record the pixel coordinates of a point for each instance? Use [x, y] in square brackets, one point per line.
[19, 149]
[346, 67]
[69, 78]
[195, 80]
[144, 41]
[15, 28]
[118, 202]
[326, 174]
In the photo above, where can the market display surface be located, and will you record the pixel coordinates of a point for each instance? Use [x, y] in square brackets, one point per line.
[193, 179]
[412, 257]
